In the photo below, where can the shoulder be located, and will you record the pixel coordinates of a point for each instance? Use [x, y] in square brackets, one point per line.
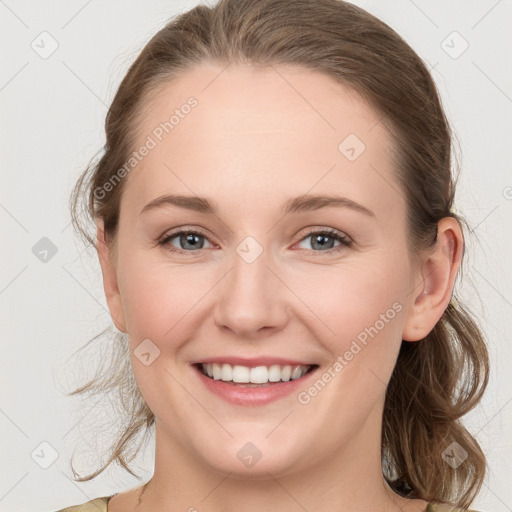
[438, 507]
[96, 505]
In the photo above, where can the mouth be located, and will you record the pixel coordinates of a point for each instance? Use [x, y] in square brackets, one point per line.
[255, 376]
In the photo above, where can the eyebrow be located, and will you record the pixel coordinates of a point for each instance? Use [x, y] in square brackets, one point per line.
[304, 203]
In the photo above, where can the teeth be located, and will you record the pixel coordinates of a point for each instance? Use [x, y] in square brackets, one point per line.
[286, 373]
[274, 373]
[240, 374]
[255, 375]
[296, 373]
[226, 372]
[215, 371]
[258, 375]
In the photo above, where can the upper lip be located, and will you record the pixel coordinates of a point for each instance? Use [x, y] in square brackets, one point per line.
[252, 362]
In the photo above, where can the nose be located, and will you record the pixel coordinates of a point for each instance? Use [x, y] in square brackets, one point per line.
[252, 301]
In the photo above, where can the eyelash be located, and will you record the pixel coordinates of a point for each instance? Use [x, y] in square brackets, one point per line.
[345, 242]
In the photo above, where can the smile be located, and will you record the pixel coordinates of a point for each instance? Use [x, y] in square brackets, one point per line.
[253, 385]
[240, 374]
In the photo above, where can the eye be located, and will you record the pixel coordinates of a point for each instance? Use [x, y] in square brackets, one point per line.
[189, 240]
[324, 239]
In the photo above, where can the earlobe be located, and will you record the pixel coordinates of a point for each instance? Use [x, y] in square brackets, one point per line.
[436, 280]
[110, 284]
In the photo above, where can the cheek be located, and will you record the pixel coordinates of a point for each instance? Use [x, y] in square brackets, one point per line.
[158, 298]
[349, 299]
[358, 317]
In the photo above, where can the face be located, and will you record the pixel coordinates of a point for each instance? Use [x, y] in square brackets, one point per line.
[257, 275]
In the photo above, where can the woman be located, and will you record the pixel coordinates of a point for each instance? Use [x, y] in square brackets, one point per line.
[273, 219]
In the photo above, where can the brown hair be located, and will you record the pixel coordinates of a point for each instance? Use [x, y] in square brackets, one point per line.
[436, 380]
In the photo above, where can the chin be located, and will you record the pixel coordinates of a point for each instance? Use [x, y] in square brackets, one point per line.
[248, 460]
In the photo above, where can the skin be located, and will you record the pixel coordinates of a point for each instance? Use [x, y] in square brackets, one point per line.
[253, 141]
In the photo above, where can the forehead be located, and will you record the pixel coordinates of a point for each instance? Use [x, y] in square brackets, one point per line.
[267, 133]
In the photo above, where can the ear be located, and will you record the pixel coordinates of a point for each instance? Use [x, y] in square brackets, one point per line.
[437, 274]
[108, 269]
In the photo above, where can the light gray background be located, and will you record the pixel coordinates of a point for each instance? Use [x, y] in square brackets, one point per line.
[52, 115]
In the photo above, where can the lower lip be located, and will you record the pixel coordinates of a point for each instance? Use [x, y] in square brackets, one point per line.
[252, 396]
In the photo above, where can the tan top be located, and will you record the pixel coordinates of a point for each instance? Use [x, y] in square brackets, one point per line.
[100, 505]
